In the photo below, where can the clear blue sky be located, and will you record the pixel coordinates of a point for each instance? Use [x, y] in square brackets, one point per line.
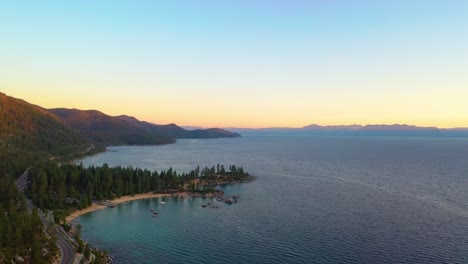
[242, 63]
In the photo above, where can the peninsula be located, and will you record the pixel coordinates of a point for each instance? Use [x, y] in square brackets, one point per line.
[92, 188]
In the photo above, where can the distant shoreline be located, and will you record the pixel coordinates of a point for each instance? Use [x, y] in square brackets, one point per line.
[104, 204]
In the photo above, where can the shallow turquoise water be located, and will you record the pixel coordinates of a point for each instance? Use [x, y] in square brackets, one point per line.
[316, 200]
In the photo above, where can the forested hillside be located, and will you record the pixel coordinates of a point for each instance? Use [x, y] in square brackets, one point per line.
[31, 128]
[129, 130]
[175, 131]
[29, 133]
[22, 236]
[108, 130]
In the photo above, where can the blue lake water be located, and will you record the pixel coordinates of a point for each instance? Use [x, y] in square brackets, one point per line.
[316, 200]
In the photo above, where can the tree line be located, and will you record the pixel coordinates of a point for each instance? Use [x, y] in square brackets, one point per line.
[22, 232]
[57, 187]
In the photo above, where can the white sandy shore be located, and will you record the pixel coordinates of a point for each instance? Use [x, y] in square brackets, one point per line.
[123, 199]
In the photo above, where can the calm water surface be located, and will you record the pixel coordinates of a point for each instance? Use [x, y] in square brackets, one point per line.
[316, 200]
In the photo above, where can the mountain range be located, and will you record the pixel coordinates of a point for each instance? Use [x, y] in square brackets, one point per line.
[369, 130]
[127, 130]
[33, 128]
[26, 127]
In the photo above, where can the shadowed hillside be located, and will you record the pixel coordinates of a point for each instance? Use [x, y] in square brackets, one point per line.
[175, 131]
[129, 130]
[109, 130]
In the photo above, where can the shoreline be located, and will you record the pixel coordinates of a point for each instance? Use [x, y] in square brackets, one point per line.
[96, 206]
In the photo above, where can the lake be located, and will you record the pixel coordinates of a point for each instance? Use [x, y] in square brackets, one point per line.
[317, 199]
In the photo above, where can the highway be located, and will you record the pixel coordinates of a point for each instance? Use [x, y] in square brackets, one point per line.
[63, 240]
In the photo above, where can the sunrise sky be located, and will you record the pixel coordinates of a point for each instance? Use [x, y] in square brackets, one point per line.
[242, 63]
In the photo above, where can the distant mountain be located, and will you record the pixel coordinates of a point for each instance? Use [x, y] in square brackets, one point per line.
[397, 127]
[335, 128]
[170, 130]
[118, 130]
[29, 128]
[460, 129]
[212, 133]
[175, 131]
[193, 127]
[369, 128]
[362, 130]
[108, 130]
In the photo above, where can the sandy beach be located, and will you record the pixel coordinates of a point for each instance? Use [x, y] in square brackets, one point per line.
[92, 208]
[123, 199]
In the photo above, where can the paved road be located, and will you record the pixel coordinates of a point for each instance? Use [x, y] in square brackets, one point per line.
[67, 250]
[63, 240]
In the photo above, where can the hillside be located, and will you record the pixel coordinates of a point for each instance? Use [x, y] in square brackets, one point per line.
[28, 134]
[32, 132]
[129, 130]
[28, 127]
[108, 130]
[175, 131]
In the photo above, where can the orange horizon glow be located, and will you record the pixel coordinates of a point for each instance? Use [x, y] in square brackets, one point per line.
[216, 119]
[245, 64]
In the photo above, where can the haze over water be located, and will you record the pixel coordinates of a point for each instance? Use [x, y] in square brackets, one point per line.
[316, 200]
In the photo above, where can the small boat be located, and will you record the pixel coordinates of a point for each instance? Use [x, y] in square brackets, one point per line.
[162, 202]
[155, 212]
[203, 205]
[151, 209]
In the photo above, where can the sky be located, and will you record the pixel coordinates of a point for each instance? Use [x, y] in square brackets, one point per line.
[242, 63]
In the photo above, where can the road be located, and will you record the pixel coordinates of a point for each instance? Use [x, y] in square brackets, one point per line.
[22, 181]
[63, 240]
